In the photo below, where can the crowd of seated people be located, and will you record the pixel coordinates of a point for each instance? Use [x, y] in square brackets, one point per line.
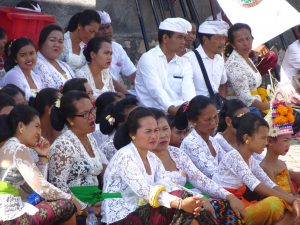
[171, 154]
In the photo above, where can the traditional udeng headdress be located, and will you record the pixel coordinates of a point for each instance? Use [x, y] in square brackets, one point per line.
[280, 117]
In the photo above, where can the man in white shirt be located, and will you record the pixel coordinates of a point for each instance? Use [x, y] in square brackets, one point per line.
[212, 35]
[121, 63]
[163, 79]
[290, 66]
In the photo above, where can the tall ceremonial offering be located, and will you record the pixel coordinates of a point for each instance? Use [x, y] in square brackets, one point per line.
[267, 18]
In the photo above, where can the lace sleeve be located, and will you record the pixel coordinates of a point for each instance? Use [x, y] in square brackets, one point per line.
[34, 178]
[196, 177]
[239, 167]
[260, 174]
[61, 160]
[193, 151]
[240, 83]
[133, 177]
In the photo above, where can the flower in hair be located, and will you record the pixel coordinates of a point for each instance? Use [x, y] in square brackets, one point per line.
[60, 88]
[57, 103]
[111, 120]
[185, 106]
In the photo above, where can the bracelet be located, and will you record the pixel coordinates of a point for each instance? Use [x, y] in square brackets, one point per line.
[43, 156]
[179, 206]
[153, 195]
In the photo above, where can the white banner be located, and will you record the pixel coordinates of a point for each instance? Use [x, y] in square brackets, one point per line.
[267, 18]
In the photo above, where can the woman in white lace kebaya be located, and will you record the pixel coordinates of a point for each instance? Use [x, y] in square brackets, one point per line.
[98, 54]
[75, 161]
[181, 170]
[52, 71]
[82, 27]
[113, 116]
[239, 169]
[20, 131]
[19, 64]
[226, 133]
[200, 145]
[243, 76]
[43, 102]
[134, 181]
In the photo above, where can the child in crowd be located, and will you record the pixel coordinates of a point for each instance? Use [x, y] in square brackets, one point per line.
[280, 120]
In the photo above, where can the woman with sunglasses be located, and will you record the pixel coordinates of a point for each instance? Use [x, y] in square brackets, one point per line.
[74, 159]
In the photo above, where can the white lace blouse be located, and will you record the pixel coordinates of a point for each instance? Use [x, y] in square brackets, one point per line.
[187, 171]
[233, 172]
[127, 175]
[70, 165]
[197, 149]
[108, 147]
[73, 60]
[16, 168]
[228, 147]
[105, 76]
[17, 77]
[241, 79]
[49, 75]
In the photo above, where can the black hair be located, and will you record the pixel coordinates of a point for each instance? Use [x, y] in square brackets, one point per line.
[229, 109]
[122, 137]
[161, 34]
[45, 97]
[58, 116]
[171, 120]
[93, 46]
[202, 35]
[9, 123]
[12, 90]
[15, 47]
[249, 123]
[2, 33]
[83, 18]
[75, 84]
[28, 4]
[104, 100]
[116, 111]
[231, 30]
[6, 100]
[157, 113]
[46, 31]
[189, 112]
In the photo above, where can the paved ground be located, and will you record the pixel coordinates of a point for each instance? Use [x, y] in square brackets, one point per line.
[292, 158]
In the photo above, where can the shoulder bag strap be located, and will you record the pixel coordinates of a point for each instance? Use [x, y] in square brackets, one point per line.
[205, 76]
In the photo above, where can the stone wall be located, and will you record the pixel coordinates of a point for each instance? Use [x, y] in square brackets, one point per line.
[126, 25]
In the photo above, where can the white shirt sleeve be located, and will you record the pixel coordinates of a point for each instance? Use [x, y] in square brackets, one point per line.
[150, 76]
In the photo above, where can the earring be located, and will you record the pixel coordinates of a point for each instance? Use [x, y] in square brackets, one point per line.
[133, 138]
[247, 142]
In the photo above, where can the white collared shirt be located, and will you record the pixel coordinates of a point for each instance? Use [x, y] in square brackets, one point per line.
[120, 63]
[17, 77]
[160, 83]
[215, 69]
[291, 61]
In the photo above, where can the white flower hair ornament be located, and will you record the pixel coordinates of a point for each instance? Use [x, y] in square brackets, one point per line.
[111, 120]
[57, 103]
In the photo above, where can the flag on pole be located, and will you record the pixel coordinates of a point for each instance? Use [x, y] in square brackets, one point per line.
[267, 18]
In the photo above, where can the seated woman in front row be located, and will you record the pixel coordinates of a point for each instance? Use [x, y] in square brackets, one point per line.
[20, 131]
[235, 173]
[182, 170]
[131, 190]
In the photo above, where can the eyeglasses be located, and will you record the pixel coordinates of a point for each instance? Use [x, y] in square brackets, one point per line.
[87, 115]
